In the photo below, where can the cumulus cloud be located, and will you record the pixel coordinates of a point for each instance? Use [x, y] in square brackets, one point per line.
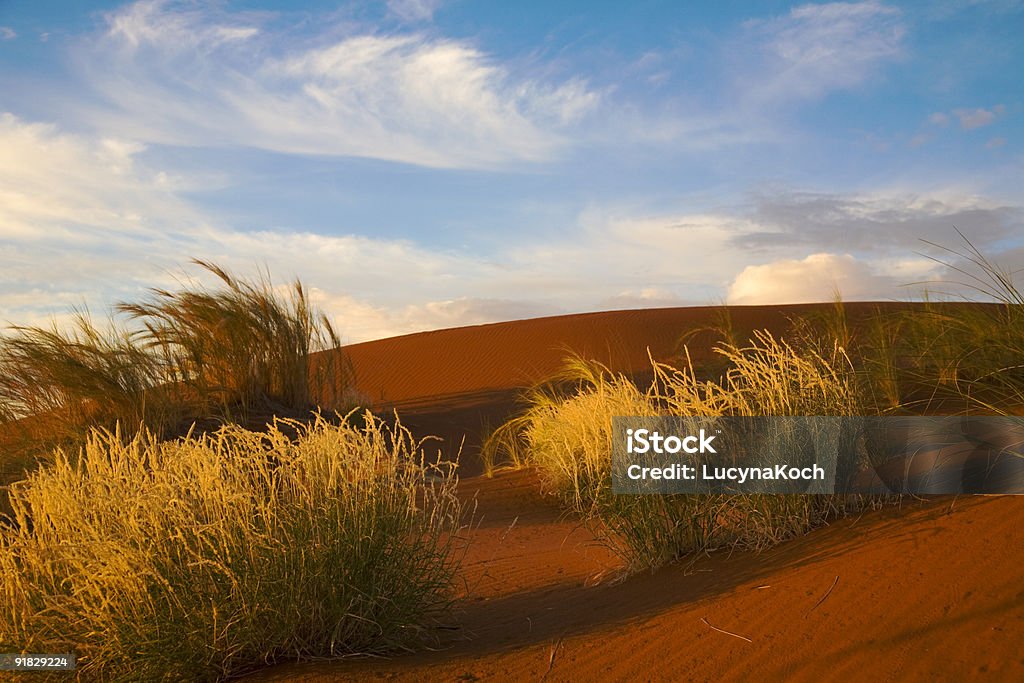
[818, 277]
[181, 74]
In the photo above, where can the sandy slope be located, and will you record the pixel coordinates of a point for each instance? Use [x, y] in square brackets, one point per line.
[459, 384]
[933, 590]
[418, 369]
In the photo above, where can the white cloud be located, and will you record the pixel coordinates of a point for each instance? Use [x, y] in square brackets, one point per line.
[414, 10]
[815, 278]
[149, 23]
[51, 181]
[86, 220]
[7, 33]
[978, 118]
[816, 49]
[178, 74]
[90, 220]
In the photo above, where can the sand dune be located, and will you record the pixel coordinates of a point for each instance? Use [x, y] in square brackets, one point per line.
[418, 369]
[460, 383]
[929, 591]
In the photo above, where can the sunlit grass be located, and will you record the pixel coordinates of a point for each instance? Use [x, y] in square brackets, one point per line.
[206, 557]
[567, 436]
[966, 358]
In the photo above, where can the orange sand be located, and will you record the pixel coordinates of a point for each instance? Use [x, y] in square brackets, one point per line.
[930, 591]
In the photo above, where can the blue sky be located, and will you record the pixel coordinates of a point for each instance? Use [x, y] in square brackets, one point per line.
[424, 164]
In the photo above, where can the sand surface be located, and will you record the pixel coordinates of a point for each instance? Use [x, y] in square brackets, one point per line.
[932, 590]
[461, 383]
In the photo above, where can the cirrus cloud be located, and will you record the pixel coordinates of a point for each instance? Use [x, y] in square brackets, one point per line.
[815, 49]
[177, 74]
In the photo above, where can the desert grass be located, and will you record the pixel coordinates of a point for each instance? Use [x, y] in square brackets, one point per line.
[974, 356]
[243, 346]
[951, 354]
[236, 352]
[935, 357]
[206, 557]
[567, 436]
[68, 378]
[566, 430]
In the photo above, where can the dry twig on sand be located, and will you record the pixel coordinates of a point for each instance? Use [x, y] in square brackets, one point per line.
[551, 659]
[728, 633]
[822, 599]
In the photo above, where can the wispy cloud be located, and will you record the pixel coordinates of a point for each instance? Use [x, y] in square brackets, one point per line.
[7, 33]
[178, 74]
[414, 10]
[93, 220]
[762, 70]
[816, 49]
[978, 118]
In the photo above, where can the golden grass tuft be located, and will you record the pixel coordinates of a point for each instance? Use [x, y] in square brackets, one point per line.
[567, 436]
[207, 557]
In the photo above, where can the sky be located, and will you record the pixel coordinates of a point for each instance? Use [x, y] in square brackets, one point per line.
[423, 164]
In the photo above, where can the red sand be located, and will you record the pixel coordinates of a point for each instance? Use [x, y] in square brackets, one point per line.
[930, 591]
[419, 369]
[458, 384]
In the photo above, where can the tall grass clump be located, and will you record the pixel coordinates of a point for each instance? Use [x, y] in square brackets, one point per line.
[970, 356]
[235, 352]
[68, 378]
[960, 353]
[244, 347]
[567, 436]
[566, 430]
[206, 557]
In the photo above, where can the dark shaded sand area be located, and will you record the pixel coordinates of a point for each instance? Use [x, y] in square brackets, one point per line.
[932, 590]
